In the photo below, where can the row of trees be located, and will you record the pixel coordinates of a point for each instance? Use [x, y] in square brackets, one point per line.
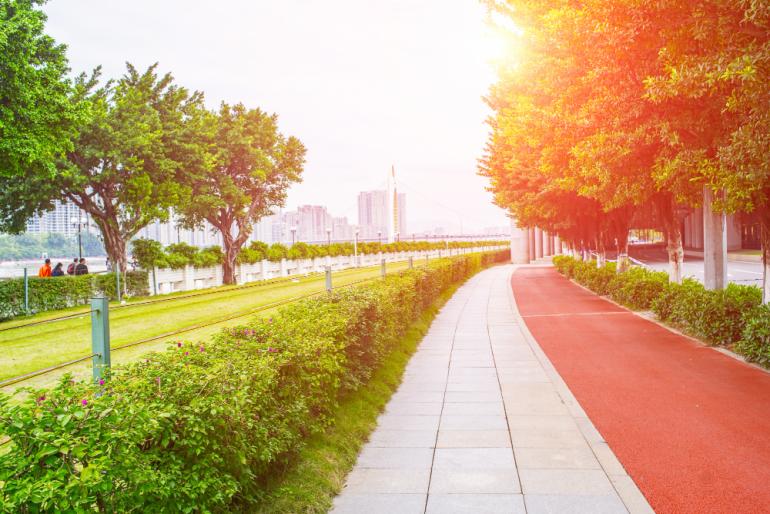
[128, 150]
[626, 113]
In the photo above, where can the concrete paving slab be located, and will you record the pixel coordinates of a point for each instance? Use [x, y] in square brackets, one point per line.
[379, 503]
[403, 438]
[473, 458]
[473, 439]
[565, 481]
[475, 504]
[395, 481]
[573, 504]
[474, 481]
[395, 458]
[556, 458]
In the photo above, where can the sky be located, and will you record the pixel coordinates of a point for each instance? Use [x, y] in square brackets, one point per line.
[364, 84]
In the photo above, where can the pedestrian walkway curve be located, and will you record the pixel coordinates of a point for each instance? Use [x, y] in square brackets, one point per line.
[482, 423]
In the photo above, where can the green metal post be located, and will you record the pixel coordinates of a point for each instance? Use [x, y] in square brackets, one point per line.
[100, 336]
[26, 291]
[117, 281]
[329, 279]
[382, 268]
[154, 282]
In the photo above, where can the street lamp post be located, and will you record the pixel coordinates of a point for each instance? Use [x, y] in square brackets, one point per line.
[79, 223]
[293, 232]
[379, 236]
[328, 237]
[355, 245]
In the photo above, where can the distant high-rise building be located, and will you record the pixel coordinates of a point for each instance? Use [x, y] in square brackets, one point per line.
[59, 220]
[372, 214]
[402, 215]
[374, 217]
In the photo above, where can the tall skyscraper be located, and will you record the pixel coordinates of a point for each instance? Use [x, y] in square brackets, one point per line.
[372, 214]
[382, 213]
[402, 215]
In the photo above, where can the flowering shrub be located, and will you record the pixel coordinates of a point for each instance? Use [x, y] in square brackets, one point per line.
[199, 427]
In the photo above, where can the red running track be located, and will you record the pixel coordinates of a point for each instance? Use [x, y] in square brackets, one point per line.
[690, 425]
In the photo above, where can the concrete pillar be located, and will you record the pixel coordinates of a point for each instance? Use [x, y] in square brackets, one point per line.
[714, 244]
[519, 244]
[531, 235]
[538, 243]
[557, 245]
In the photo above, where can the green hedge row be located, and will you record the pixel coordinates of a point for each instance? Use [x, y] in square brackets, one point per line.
[197, 428]
[733, 317]
[148, 253]
[46, 294]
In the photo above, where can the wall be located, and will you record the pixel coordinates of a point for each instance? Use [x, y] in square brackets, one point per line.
[190, 278]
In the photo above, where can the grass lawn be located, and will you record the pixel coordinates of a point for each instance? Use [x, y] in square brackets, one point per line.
[310, 481]
[39, 346]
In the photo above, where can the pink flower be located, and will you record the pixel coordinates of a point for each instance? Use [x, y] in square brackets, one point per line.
[41, 399]
[179, 344]
[84, 401]
[101, 381]
[157, 379]
[187, 353]
[201, 348]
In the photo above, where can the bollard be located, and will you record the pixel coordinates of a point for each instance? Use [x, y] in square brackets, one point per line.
[117, 281]
[26, 292]
[383, 271]
[100, 336]
[329, 279]
[411, 262]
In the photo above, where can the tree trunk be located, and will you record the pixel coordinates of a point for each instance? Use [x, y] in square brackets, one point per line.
[765, 260]
[674, 249]
[231, 254]
[115, 245]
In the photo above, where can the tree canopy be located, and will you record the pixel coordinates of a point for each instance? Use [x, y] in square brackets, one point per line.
[246, 172]
[622, 111]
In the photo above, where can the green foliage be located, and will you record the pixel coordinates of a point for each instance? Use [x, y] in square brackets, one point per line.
[246, 170]
[147, 253]
[638, 287]
[755, 339]
[37, 119]
[276, 252]
[201, 427]
[46, 294]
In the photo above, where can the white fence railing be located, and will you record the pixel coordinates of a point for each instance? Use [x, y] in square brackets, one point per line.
[190, 278]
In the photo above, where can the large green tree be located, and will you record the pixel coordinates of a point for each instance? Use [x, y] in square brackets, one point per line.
[38, 117]
[246, 172]
[125, 162]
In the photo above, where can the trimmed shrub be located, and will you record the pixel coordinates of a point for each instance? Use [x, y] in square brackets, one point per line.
[197, 428]
[637, 287]
[730, 316]
[46, 294]
[755, 339]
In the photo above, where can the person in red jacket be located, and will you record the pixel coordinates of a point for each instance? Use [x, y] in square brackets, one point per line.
[45, 269]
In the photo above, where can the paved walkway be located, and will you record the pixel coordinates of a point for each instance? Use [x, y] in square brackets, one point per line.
[690, 424]
[483, 424]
